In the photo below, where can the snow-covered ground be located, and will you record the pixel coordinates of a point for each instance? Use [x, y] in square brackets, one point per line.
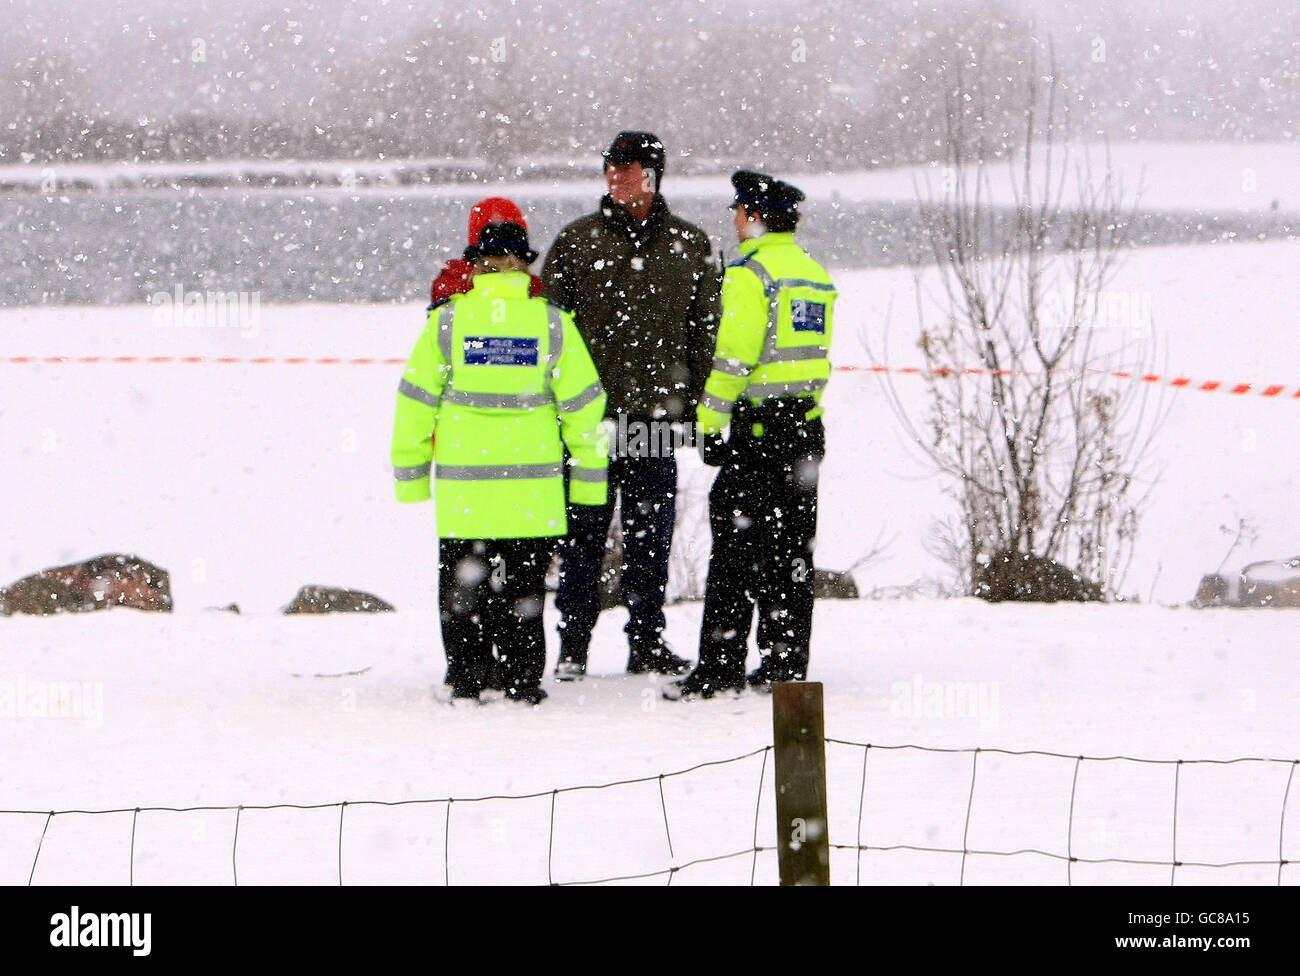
[197, 710]
[248, 480]
[195, 465]
[1172, 176]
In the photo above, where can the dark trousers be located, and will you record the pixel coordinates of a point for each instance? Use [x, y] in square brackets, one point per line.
[763, 515]
[491, 593]
[648, 488]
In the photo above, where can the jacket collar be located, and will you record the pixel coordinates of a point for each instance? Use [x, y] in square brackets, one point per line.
[618, 218]
[768, 240]
[501, 284]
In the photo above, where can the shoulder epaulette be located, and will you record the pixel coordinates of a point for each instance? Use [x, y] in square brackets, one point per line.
[563, 308]
[439, 303]
[741, 262]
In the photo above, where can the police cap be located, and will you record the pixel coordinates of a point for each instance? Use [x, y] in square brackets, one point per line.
[759, 191]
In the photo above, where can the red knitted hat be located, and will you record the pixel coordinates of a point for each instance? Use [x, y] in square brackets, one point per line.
[493, 210]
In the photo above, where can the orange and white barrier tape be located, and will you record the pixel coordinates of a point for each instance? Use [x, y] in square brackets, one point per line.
[1273, 390]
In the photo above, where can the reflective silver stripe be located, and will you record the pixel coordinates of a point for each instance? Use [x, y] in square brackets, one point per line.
[760, 391]
[414, 473]
[732, 367]
[790, 353]
[497, 472]
[769, 286]
[500, 401]
[445, 315]
[596, 476]
[773, 288]
[769, 347]
[587, 396]
[803, 283]
[555, 322]
[773, 285]
[416, 393]
[716, 404]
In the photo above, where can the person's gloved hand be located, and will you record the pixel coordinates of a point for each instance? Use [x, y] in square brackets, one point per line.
[713, 450]
[588, 521]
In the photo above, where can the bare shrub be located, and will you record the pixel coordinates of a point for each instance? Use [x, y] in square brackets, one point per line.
[1037, 439]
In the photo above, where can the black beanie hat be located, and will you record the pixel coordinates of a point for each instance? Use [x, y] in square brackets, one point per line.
[637, 147]
[501, 238]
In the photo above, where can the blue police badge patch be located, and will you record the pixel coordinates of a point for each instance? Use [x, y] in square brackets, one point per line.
[808, 316]
[500, 351]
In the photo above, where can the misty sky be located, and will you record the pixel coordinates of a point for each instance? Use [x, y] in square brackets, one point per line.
[139, 55]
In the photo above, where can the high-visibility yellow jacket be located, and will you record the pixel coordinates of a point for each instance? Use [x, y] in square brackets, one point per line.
[504, 383]
[775, 335]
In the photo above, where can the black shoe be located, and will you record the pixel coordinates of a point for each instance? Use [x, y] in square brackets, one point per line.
[494, 674]
[464, 693]
[695, 685]
[760, 679]
[657, 657]
[529, 696]
[569, 670]
[777, 666]
[572, 664]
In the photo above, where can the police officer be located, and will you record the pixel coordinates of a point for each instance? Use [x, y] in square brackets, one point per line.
[489, 376]
[769, 372]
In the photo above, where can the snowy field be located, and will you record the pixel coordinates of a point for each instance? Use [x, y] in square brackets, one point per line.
[248, 480]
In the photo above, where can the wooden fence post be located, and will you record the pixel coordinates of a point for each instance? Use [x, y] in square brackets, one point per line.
[799, 739]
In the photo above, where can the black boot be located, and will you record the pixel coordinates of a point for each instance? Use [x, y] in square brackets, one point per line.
[572, 664]
[464, 689]
[760, 679]
[698, 685]
[782, 664]
[494, 674]
[529, 696]
[655, 656]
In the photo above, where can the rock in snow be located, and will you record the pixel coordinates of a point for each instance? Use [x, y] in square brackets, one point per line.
[328, 599]
[111, 580]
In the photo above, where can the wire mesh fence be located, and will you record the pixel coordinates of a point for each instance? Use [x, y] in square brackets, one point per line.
[976, 799]
[1068, 853]
[674, 861]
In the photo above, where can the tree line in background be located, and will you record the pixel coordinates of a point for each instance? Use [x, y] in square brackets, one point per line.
[837, 87]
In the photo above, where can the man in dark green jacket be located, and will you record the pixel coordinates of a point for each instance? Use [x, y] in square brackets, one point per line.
[643, 289]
